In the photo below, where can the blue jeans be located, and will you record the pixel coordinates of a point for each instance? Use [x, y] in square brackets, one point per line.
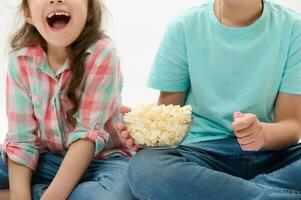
[103, 180]
[216, 170]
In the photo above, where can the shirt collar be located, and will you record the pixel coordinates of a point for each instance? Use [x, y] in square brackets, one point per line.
[34, 52]
[38, 55]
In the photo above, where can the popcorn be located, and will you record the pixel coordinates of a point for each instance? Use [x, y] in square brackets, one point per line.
[157, 126]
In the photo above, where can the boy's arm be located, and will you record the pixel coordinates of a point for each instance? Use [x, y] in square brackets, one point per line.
[74, 165]
[175, 98]
[19, 181]
[286, 130]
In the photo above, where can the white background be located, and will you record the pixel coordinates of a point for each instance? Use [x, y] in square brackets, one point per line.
[136, 26]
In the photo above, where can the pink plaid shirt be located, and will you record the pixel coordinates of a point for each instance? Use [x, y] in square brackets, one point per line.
[37, 105]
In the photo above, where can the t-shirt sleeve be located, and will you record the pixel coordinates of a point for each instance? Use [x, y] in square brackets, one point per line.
[291, 80]
[170, 68]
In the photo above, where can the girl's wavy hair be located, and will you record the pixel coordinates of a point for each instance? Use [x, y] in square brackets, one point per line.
[28, 35]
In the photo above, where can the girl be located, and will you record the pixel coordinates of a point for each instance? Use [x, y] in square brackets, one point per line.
[63, 93]
[238, 64]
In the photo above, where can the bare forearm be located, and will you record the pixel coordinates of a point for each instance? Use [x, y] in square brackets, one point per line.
[19, 181]
[4, 194]
[75, 163]
[174, 98]
[281, 134]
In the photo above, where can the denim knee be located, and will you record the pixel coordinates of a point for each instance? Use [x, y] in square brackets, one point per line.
[141, 166]
[93, 190]
[3, 175]
[37, 191]
[148, 170]
[86, 190]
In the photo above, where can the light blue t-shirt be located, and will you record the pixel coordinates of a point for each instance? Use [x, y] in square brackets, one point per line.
[227, 69]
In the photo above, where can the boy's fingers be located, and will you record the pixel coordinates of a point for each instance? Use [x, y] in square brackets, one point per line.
[124, 109]
[246, 140]
[242, 124]
[244, 133]
[236, 115]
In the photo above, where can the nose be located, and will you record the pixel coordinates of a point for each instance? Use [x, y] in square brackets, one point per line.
[56, 1]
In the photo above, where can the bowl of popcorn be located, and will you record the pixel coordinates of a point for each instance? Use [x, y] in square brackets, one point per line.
[158, 126]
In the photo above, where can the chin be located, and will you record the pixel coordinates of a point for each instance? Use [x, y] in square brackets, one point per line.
[242, 2]
[60, 43]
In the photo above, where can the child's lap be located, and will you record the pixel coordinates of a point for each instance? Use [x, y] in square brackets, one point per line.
[106, 176]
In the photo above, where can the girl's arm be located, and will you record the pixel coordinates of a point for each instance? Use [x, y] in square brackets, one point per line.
[75, 163]
[21, 145]
[286, 130]
[99, 103]
[19, 181]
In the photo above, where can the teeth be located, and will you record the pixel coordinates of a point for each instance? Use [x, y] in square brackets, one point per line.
[58, 13]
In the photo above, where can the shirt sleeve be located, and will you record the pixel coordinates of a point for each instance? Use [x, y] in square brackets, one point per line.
[170, 68]
[291, 79]
[21, 144]
[100, 100]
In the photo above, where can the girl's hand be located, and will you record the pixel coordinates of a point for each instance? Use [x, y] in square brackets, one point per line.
[249, 131]
[130, 143]
[44, 197]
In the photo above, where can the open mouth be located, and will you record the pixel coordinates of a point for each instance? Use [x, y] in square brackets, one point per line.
[58, 20]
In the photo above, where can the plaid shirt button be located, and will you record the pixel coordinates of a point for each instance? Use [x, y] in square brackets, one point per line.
[97, 127]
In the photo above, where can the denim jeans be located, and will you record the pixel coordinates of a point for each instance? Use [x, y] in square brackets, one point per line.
[216, 170]
[103, 180]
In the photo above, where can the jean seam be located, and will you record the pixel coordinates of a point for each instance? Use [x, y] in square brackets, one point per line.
[99, 179]
[134, 193]
[247, 168]
[232, 156]
[276, 189]
[183, 156]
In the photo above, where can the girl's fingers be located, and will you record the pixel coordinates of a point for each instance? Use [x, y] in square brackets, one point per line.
[124, 109]
[129, 143]
[125, 134]
[136, 148]
[121, 127]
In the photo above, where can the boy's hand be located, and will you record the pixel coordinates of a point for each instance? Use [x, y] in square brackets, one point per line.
[249, 131]
[130, 143]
